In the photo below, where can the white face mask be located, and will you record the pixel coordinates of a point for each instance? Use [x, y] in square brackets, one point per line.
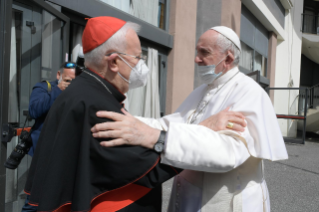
[207, 73]
[138, 76]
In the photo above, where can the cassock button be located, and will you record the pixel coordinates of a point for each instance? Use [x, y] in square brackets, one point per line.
[178, 185]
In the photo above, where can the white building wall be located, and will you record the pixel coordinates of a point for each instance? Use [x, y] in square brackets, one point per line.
[288, 60]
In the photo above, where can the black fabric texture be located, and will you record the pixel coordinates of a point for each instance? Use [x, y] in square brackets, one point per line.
[70, 166]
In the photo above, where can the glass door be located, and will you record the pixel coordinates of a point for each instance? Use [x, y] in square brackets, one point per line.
[37, 52]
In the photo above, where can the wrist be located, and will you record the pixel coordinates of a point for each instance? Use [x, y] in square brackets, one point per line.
[154, 138]
[160, 144]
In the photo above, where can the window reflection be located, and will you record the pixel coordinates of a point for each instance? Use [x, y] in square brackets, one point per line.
[251, 60]
[15, 67]
[161, 14]
[52, 44]
[260, 64]
[246, 57]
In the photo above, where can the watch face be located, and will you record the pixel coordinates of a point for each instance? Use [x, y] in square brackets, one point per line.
[158, 147]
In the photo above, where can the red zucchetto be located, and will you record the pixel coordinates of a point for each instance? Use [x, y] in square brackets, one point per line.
[98, 30]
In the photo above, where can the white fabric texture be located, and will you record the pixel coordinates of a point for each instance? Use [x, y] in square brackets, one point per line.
[13, 110]
[147, 10]
[225, 165]
[152, 101]
[123, 5]
[136, 99]
[77, 42]
[145, 101]
[198, 156]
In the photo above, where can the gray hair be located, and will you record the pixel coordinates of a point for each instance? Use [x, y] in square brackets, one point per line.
[115, 43]
[226, 45]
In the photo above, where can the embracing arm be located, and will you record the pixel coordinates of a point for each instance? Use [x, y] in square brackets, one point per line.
[187, 146]
[199, 148]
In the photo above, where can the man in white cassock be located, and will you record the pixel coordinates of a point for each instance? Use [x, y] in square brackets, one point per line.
[223, 169]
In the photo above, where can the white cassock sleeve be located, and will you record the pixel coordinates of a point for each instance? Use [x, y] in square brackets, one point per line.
[199, 148]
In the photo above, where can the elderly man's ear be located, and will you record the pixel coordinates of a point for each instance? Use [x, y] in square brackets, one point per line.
[229, 59]
[113, 62]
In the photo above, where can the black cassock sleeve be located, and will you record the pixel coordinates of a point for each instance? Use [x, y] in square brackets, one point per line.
[152, 177]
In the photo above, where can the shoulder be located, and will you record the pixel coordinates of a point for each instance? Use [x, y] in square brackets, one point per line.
[53, 83]
[247, 85]
[80, 90]
[40, 86]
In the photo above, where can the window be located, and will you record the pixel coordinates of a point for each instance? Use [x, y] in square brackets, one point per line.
[254, 44]
[246, 57]
[151, 11]
[251, 60]
[260, 64]
[161, 14]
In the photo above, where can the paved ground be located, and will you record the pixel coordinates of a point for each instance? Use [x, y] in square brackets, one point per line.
[293, 184]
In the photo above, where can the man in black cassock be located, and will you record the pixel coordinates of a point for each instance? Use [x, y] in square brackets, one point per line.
[70, 170]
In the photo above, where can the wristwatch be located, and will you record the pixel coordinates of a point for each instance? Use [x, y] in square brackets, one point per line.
[159, 145]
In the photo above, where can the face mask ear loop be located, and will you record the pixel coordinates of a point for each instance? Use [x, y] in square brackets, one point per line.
[222, 61]
[128, 81]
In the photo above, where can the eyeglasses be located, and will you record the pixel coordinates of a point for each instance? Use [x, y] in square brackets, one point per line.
[143, 57]
[70, 65]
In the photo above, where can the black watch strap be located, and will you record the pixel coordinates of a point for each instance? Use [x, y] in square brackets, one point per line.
[159, 145]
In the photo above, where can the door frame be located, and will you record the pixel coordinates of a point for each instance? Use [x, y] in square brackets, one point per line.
[5, 43]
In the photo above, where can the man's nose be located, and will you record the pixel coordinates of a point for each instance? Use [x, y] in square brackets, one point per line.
[197, 59]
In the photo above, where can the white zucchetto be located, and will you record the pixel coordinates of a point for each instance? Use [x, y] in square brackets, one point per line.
[228, 33]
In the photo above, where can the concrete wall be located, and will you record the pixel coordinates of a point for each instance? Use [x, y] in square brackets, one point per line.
[288, 61]
[271, 63]
[277, 10]
[180, 64]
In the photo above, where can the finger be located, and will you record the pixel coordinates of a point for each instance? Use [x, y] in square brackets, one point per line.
[237, 114]
[237, 120]
[112, 143]
[110, 115]
[125, 112]
[108, 134]
[237, 127]
[107, 126]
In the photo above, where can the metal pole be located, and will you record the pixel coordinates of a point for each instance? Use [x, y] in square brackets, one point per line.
[305, 119]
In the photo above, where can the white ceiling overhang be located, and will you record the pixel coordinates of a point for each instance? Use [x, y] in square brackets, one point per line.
[310, 46]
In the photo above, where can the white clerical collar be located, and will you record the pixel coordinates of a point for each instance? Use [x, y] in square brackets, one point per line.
[224, 78]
